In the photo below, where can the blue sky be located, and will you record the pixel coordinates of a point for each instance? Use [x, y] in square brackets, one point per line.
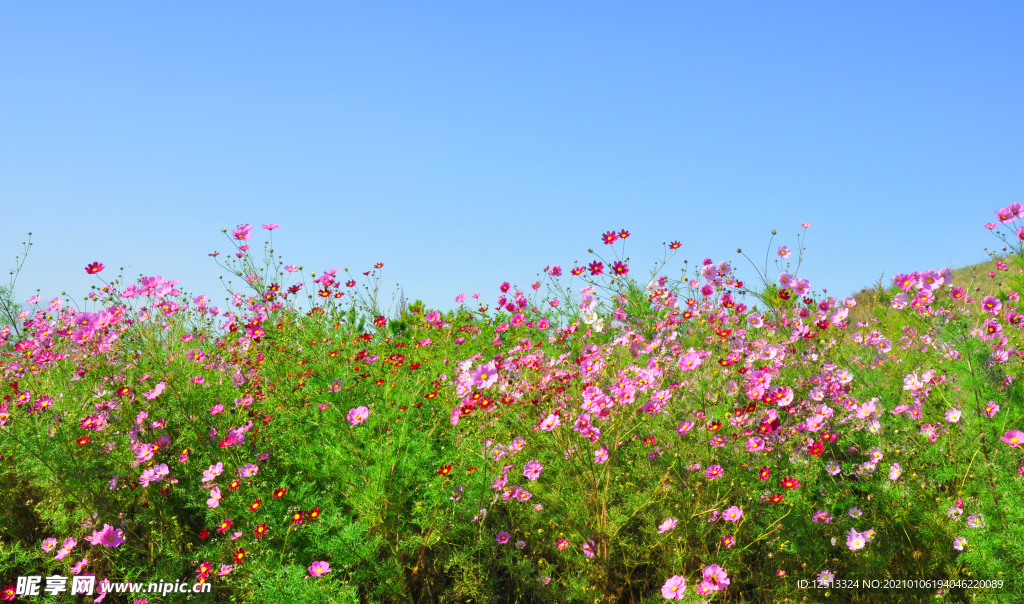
[463, 144]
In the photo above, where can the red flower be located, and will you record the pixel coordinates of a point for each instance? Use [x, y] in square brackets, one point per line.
[314, 513]
[445, 470]
[297, 517]
[280, 493]
[225, 525]
[260, 530]
[816, 448]
[7, 593]
[94, 268]
[765, 473]
[351, 283]
[790, 483]
[623, 234]
[379, 265]
[239, 555]
[84, 440]
[204, 568]
[203, 534]
[235, 484]
[775, 498]
[596, 268]
[620, 268]
[380, 321]
[124, 391]
[610, 237]
[577, 271]
[675, 245]
[255, 505]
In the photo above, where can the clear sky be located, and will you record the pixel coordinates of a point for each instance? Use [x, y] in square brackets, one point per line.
[467, 143]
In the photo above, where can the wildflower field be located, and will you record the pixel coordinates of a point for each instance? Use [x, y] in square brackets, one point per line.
[698, 434]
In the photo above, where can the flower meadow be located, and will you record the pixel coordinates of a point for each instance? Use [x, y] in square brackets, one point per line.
[589, 436]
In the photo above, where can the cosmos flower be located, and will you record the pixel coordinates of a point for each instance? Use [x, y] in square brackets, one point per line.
[674, 588]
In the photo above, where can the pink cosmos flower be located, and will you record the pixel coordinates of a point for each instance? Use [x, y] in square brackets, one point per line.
[532, 469]
[991, 305]
[214, 500]
[358, 415]
[684, 427]
[755, 443]
[248, 470]
[728, 541]
[953, 415]
[459, 298]
[732, 514]
[49, 544]
[825, 577]
[241, 233]
[79, 566]
[715, 577]
[783, 252]
[991, 409]
[225, 569]
[1014, 438]
[668, 525]
[503, 537]
[562, 544]
[155, 392]
[674, 588]
[713, 472]
[601, 455]
[822, 517]
[271, 226]
[689, 361]
[110, 537]
[484, 376]
[895, 471]
[959, 543]
[550, 423]
[855, 540]
[213, 472]
[214, 410]
[319, 568]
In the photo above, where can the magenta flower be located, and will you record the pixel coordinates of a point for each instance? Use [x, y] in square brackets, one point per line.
[674, 588]
[991, 305]
[732, 514]
[713, 472]
[1014, 438]
[991, 409]
[822, 517]
[503, 537]
[358, 415]
[601, 455]
[213, 472]
[895, 471]
[79, 566]
[319, 568]
[728, 541]
[241, 233]
[550, 423]
[111, 537]
[562, 544]
[214, 500]
[715, 578]
[668, 525]
[532, 469]
[855, 540]
[953, 416]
